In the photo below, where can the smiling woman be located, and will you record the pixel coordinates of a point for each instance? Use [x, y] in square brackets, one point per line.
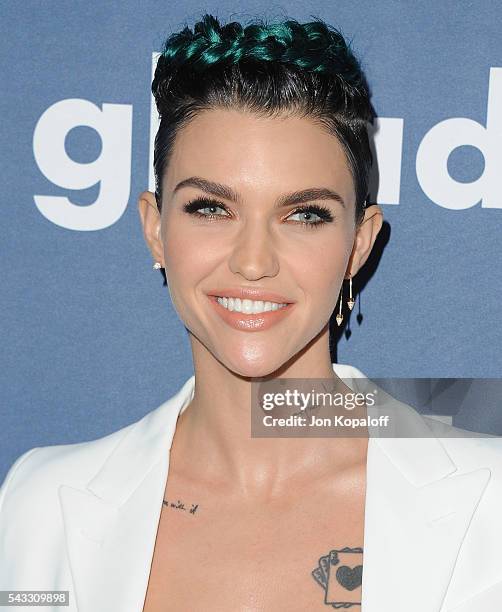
[260, 212]
[262, 163]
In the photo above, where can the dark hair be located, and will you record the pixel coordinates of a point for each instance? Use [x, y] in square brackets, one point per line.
[269, 69]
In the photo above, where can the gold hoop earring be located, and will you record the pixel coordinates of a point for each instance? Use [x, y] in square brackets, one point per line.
[350, 301]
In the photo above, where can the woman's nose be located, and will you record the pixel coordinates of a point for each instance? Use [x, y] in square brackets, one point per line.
[254, 254]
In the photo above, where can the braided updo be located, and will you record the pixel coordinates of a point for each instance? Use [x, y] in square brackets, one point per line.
[270, 69]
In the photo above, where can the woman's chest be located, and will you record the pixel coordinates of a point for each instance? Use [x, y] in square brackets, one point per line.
[303, 554]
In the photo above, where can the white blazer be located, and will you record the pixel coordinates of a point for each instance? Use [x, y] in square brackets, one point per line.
[83, 517]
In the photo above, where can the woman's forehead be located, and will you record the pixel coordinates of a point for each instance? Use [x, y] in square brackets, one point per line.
[254, 150]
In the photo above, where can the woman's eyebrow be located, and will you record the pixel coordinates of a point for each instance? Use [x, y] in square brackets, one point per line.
[296, 197]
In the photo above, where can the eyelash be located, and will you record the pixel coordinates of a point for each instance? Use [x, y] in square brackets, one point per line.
[192, 207]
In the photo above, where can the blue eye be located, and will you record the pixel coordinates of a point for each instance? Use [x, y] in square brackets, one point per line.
[194, 206]
[323, 214]
[214, 207]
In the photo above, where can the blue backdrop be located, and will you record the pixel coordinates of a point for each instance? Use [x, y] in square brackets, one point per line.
[90, 341]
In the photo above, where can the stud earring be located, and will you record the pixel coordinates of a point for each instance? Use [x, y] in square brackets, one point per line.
[350, 301]
[339, 316]
[157, 265]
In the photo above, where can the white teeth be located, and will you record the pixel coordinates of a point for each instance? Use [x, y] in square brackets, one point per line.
[248, 306]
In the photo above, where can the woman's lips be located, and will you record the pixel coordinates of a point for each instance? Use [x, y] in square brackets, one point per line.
[250, 322]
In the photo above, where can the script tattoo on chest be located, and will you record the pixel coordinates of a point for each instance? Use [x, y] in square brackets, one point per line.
[179, 505]
[340, 574]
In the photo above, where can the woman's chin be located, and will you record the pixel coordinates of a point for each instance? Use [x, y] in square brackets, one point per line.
[257, 373]
[253, 368]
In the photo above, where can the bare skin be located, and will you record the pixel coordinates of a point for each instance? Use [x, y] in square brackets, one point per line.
[266, 509]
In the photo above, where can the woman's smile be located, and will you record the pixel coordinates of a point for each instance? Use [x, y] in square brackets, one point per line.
[244, 318]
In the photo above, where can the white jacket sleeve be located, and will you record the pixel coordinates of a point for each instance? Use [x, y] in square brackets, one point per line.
[10, 475]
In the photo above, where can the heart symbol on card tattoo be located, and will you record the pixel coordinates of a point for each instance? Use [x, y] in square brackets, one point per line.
[350, 578]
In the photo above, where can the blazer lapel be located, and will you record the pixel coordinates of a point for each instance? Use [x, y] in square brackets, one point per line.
[416, 516]
[417, 511]
[111, 523]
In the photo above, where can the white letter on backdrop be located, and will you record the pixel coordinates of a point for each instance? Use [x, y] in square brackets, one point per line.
[112, 169]
[387, 136]
[443, 138]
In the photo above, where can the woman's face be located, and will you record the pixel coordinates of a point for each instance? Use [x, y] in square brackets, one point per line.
[253, 242]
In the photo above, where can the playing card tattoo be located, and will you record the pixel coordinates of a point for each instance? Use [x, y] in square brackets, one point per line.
[340, 574]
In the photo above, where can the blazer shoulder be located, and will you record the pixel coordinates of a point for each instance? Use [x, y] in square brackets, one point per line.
[38, 472]
[470, 450]
[30, 498]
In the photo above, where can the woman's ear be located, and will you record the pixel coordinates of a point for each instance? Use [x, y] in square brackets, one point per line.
[151, 222]
[366, 235]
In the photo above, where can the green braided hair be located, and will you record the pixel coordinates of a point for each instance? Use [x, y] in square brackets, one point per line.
[270, 69]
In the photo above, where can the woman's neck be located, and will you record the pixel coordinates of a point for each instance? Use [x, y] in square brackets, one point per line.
[213, 444]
